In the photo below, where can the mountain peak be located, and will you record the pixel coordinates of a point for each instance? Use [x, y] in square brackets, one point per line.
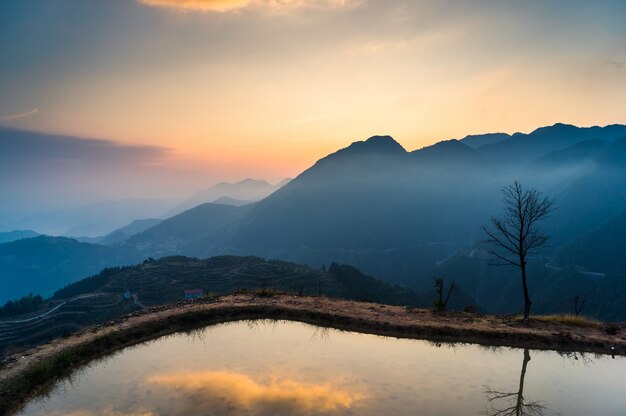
[557, 128]
[377, 144]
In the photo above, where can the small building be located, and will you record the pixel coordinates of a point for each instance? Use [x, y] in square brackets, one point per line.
[194, 294]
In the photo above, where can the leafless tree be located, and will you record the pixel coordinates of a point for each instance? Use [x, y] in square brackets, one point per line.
[578, 304]
[515, 234]
[441, 302]
[515, 403]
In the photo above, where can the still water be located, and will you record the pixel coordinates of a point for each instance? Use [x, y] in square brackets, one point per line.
[289, 368]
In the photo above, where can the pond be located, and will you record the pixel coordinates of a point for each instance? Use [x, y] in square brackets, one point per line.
[285, 368]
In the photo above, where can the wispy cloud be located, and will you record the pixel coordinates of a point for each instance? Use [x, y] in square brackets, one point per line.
[234, 5]
[19, 146]
[18, 115]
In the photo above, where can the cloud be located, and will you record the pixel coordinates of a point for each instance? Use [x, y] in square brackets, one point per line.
[233, 5]
[20, 146]
[282, 396]
[18, 115]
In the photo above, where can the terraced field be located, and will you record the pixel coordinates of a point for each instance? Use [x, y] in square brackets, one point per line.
[115, 293]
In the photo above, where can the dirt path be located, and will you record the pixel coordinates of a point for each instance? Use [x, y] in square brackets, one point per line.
[25, 374]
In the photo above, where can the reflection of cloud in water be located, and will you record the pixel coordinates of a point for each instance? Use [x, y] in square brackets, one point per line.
[230, 392]
[107, 411]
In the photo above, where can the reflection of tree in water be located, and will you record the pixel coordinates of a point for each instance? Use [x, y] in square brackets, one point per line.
[321, 334]
[577, 357]
[514, 403]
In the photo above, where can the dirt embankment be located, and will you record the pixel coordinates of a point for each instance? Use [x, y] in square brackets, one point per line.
[25, 374]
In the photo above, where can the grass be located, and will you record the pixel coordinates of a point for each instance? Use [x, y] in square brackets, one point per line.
[567, 319]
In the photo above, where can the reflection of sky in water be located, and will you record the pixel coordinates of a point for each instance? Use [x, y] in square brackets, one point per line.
[292, 368]
[223, 391]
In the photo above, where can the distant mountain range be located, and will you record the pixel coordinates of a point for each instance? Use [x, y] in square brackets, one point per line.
[7, 237]
[239, 193]
[93, 220]
[402, 216]
[396, 213]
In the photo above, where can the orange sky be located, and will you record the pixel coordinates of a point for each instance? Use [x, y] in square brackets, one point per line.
[264, 88]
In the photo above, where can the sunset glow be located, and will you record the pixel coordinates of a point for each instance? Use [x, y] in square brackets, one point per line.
[221, 82]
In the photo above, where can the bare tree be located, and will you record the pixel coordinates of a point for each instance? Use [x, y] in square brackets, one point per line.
[578, 304]
[515, 234]
[441, 302]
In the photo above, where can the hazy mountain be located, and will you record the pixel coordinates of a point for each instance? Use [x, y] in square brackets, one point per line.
[576, 154]
[525, 148]
[447, 152]
[7, 237]
[248, 190]
[44, 264]
[601, 250]
[198, 231]
[399, 215]
[226, 200]
[480, 140]
[94, 220]
[124, 233]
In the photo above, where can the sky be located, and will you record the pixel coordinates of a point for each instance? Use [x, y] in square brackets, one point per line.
[216, 90]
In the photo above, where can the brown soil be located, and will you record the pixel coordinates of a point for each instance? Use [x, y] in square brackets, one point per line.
[25, 374]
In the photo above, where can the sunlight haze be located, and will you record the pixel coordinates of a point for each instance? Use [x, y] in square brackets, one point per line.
[220, 82]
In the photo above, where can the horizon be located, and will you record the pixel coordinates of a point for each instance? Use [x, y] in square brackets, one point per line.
[131, 160]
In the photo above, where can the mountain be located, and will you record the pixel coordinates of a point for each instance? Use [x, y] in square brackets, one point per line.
[94, 220]
[7, 237]
[44, 264]
[601, 250]
[397, 214]
[445, 153]
[196, 232]
[100, 298]
[576, 154]
[248, 190]
[524, 148]
[480, 140]
[362, 205]
[124, 233]
[226, 200]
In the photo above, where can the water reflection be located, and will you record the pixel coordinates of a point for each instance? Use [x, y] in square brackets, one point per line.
[227, 392]
[284, 368]
[514, 403]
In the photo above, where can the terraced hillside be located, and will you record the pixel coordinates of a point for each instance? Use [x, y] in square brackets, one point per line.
[119, 291]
